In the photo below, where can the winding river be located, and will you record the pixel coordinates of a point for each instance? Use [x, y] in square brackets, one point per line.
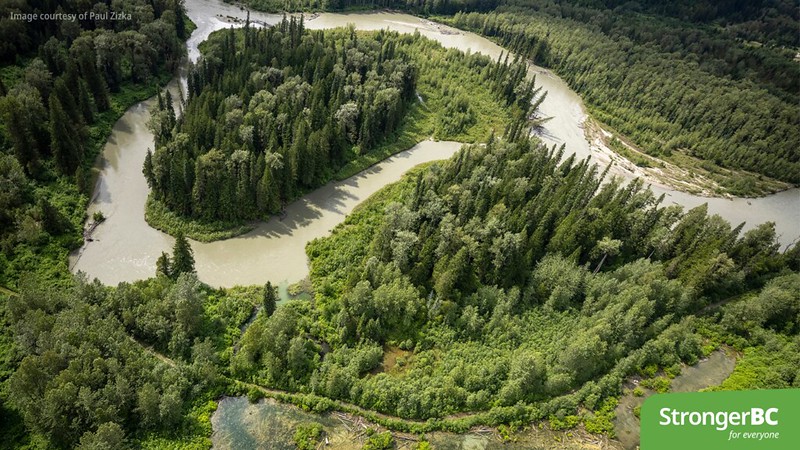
[125, 248]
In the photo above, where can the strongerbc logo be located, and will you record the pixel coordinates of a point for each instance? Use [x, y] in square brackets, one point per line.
[729, 420]
[721, 419]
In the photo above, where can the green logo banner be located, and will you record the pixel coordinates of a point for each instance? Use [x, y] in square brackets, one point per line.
[768, 419]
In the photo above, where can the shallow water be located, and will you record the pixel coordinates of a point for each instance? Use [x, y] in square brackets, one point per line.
[240, 425]
[711, 371]
[125, 248]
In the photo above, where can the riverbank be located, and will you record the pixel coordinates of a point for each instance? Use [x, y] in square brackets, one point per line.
[440, 76]
[680, 171]
[126, 247]
[241, 425]
[661, 102]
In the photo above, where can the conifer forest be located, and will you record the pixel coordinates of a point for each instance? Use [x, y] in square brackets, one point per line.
[464, 196]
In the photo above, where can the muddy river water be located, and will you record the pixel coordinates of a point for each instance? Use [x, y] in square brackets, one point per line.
[125, 248]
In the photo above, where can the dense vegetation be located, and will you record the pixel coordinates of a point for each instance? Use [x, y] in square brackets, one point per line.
[63, 84]
[90, 359]
[502, 282]
[707, 85]
[505, 280]
[70, 77]
[277, 111]
[676, 91]
[59, 102]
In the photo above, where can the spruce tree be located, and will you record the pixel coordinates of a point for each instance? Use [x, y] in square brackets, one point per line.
[147, 170]
[182, 256]
[163, 265]
[65, 140]
[85, 101]
[270, 299]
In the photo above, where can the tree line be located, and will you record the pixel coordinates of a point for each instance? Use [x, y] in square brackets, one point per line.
[273, 112]
[647, 82]
[420, 6]
[511, 281]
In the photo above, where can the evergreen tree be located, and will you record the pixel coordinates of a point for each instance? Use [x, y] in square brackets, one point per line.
[163, 265]
[84, 53]
[182, 256]
[66, 142]
[148, 169]
[270, 299]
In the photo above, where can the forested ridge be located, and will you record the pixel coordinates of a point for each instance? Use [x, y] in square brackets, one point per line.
[274, 112]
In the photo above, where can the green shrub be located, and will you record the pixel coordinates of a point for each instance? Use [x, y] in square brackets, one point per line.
[650, 371]
[254, 395]
[658, 384]
[379, 441]
[602, 421]
[566, 423]
[673, 371]
[308, 435]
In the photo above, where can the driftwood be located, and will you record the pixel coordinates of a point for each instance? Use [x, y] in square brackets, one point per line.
[484, 431]
[87, 234]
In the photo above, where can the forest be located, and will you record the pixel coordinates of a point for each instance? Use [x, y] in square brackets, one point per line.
[62, 87]
[709, 86]
[508, 286]
[274, 112]
[726, 106]
[512, 283]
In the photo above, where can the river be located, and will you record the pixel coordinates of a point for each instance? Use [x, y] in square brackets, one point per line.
[125, 248]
